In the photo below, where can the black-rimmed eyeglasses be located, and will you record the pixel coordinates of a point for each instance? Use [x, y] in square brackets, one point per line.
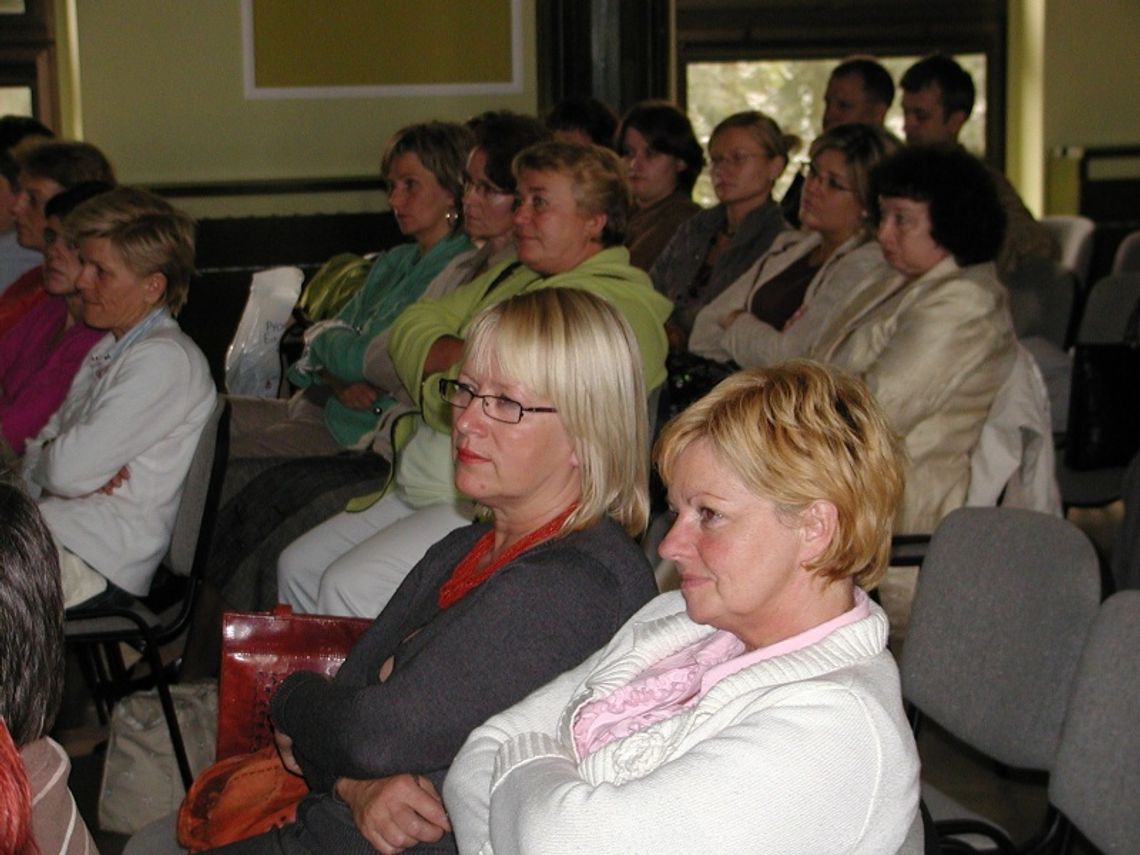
[496, 407]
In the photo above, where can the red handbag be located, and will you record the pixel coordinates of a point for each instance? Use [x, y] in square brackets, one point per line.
[259, 650]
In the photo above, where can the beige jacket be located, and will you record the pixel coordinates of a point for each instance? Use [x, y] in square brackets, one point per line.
[749, 341]
[934, 351]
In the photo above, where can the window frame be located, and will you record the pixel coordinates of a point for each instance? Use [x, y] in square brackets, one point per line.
[734, 30]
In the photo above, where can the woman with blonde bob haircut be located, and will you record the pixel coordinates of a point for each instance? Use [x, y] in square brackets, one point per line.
[772, 429]
[761, 695]
[578, 351]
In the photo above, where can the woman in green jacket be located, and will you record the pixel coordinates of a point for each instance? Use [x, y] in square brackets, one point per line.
[572, 205]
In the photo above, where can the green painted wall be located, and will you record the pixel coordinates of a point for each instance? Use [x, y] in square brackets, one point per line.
[159, 87]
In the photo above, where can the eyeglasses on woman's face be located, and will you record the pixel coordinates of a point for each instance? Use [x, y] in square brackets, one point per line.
[811, 172]
[497, 407]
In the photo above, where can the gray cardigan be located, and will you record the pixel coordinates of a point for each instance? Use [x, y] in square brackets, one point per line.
[535, 618]
[676, 268]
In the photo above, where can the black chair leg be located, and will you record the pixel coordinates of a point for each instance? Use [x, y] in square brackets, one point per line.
[89, 667]
[164, 696]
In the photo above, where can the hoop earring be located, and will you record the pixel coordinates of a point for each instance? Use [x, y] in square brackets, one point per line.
[451, 218]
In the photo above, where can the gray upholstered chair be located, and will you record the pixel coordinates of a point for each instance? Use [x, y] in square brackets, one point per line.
[1104, 321]
[1096, 777]
[1127, 258]
[1005, 600]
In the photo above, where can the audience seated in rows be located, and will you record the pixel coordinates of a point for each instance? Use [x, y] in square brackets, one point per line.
[14, 259]
[662, 161]
[938, 97]
[31, 672]
[497, 608]
[747, 153]
[245, 562]
[859, 92]
[569, 226]
[46, 169]
[756, 710]
[109, 465]
[933, 339]
[40, 354]
[776, 310]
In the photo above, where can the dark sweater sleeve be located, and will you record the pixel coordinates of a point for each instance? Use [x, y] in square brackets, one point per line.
[540, 615]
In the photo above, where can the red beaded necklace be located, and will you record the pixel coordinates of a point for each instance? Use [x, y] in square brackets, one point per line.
[468, 575]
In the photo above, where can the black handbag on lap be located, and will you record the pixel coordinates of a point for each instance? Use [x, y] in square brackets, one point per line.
[1104, 405]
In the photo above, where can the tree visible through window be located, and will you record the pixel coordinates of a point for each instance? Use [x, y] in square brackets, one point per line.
[791, 92]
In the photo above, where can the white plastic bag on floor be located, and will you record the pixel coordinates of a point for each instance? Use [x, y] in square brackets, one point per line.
[141, 782]
[253, 366]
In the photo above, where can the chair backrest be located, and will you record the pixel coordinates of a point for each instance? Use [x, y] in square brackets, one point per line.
[1004, 602]
[1041, 297]
[1126, 550]
[1110, 302]
[1096, 779]
[1127, 258]
[1075, 235]
[195, 490]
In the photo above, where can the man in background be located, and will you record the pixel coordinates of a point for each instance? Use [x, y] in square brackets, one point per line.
[937, 99]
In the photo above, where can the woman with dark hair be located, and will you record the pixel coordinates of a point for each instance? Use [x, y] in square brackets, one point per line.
[775, 310]
[582, 120]
[662, 161]
[31, 670]
[747, 153]
[933, 339]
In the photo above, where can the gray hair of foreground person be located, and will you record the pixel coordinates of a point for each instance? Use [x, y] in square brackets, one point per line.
[31, 618]
[151, 236]
[575, 349]
[796, 433]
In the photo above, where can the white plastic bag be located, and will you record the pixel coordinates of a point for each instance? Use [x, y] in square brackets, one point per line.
[141, 782]
[252, 364]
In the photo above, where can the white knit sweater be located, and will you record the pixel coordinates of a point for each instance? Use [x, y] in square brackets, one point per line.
[803, 753]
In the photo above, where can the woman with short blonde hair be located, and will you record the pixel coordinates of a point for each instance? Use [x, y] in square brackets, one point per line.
[111, 461]
[760, 696]
[150, 235]
[560, 342]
